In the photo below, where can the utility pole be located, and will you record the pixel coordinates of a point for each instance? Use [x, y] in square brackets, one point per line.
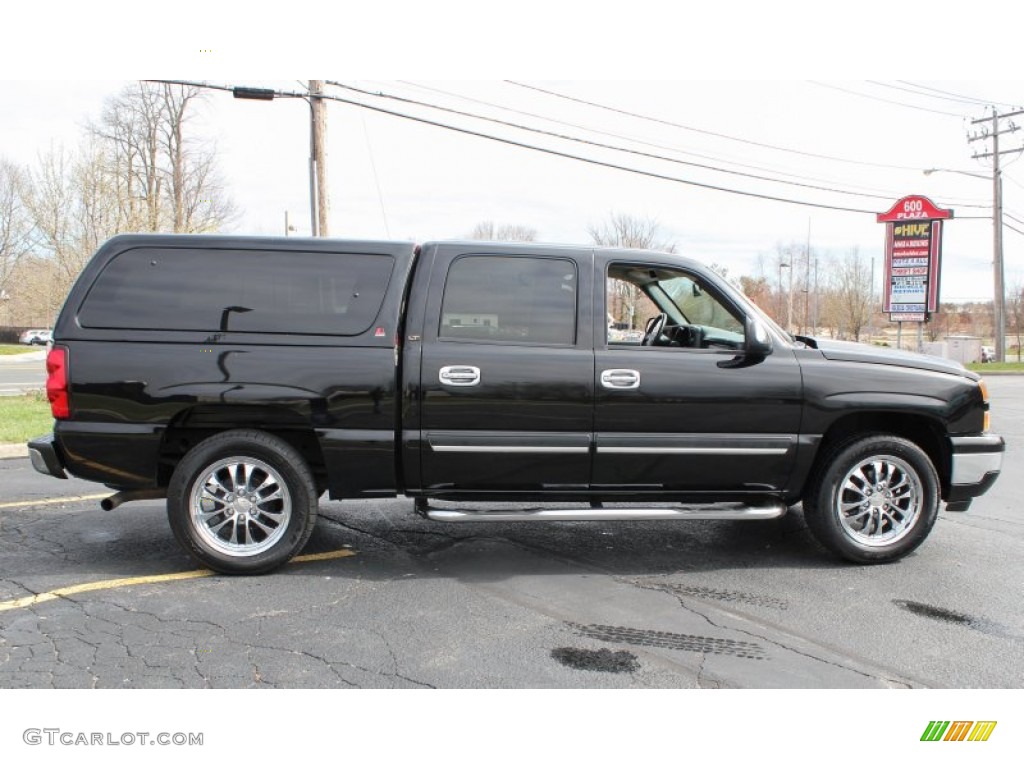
[318, 155]
[999, 303]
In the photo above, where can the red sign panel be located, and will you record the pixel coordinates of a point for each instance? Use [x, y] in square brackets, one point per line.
[914, 208]
[913, 251]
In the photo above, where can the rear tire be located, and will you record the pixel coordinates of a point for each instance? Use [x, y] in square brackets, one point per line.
[873, 499]
[242, 502]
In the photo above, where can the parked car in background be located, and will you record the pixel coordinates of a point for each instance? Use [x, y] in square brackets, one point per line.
[988, 354]
[36, 337]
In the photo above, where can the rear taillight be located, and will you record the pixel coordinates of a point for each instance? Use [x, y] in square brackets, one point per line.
[57, 383]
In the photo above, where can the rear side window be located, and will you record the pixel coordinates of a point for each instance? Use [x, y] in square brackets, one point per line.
[523, 299]
[237, 290]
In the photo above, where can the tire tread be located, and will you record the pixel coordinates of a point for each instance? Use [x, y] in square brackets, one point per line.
[273, 448]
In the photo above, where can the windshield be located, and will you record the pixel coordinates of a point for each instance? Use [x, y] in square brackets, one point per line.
[741, 298]
[697, 306]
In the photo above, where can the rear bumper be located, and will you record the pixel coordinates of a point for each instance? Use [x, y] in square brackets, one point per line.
[45, 456]
[976, 463]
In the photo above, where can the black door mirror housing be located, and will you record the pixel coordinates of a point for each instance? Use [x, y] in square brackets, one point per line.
[757, 341]
[757, 345]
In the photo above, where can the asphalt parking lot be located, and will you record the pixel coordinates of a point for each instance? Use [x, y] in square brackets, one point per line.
[385, 599]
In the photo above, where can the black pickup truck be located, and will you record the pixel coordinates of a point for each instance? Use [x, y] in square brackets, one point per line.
[242, 378]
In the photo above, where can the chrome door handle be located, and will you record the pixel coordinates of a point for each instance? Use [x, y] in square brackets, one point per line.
[459, 375]
[620, 378]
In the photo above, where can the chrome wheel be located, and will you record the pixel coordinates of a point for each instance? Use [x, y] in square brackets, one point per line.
[240, 506]
[879, 501]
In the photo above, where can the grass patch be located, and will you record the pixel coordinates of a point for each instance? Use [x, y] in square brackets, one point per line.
[986, 367]
[24, 417]
[16, 349]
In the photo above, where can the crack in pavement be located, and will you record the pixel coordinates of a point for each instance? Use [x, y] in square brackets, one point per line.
[184, 630]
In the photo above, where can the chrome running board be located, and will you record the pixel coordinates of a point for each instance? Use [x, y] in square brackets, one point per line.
[766, 511]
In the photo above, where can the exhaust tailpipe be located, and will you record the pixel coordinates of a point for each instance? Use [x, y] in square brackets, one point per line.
[121, 497]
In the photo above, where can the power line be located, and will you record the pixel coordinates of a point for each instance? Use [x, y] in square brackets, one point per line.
[887, 101]
[981, 102]
[601, 145]
[613, 134]
[1012, 180]
[549, 151]
[376, 177]
[913, 89]
[712, 133]
[867, 191]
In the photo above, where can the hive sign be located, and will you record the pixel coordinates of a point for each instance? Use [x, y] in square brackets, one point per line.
[913, 253]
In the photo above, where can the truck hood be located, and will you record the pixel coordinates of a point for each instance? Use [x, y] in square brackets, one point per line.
[864, 353]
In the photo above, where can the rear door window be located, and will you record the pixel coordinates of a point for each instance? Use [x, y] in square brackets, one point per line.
[516, 299]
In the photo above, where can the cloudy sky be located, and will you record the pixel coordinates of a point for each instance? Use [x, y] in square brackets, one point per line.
[822, 145]
[726, 146]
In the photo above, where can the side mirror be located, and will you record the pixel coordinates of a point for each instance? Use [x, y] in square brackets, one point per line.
[757, 341]
[757, 345]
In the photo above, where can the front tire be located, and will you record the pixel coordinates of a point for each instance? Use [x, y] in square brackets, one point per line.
[873, 499]
[242, 502]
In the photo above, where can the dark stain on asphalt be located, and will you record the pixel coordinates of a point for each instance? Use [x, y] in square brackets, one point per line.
[673, 640]
[602, 660]
[954, 617]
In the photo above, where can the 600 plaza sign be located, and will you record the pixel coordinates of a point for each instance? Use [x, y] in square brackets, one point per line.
[913, 253]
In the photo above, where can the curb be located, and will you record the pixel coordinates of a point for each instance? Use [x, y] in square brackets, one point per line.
[13, 451]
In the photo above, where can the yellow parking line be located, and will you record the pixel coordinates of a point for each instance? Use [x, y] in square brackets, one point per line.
[57, 500]
[93, 586]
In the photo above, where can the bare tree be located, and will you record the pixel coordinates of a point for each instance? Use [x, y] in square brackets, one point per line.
[54, 206]
[164, 179]
[73, 210]
[622, 230]
[508, 233]
[756, 289]
[139, 168]
[35, 301]
[941, 323]
[15, 225]
[1015, 311]
[849, 297]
